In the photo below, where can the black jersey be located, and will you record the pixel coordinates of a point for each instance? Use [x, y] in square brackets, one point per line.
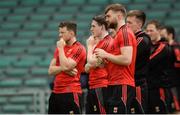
[142, 57]
[174, 70]
[159, 62]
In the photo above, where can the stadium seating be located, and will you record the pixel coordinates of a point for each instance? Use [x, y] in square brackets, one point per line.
[17, 72]
[9, 3]
[23, 10]
[14, 108]
[45, 10]
[16, 18]
[11, 83]
[75, 2]
[125, 2]
[53, 2]
[137, 6]
[36, 82]
[28, 35]
[98, 2]
[10, 26]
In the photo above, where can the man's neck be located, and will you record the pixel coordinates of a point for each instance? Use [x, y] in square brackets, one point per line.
[171, 41]
[138, 30]
[120, 23]
[71, 41]
[158, 39]
[104, 34]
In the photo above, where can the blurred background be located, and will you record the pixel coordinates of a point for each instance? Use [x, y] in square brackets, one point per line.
[28, 35]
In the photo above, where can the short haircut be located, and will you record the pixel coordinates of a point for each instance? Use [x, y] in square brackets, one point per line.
[138, 14]
[155, 22]
[116, 8]
[70, 25]
[100, 19]
[170, 30]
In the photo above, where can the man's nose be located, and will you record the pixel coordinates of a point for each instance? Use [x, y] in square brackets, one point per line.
[60, 35]
[106, 20]
[91, 29]
[148, 33]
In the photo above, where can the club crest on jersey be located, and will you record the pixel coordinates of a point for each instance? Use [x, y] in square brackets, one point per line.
[69, 51]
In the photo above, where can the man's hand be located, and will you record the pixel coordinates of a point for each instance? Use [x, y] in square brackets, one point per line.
[100, 62]
[61, 43]
[87, 67]
[73, 72]
[100, 53]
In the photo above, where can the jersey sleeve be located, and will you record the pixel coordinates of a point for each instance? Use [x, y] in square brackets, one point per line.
[56, 52]
[144, 46]
[125, 37]
[108, 45]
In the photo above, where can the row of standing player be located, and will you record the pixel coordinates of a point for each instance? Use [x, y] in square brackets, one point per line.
[112, 64]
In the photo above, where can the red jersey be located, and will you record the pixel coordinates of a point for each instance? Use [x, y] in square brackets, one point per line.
[98, 76]
[119, 74]
[63, 82]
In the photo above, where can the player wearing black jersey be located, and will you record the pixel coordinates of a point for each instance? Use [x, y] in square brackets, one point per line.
[157, 79]
[135, 20]
[168, 33]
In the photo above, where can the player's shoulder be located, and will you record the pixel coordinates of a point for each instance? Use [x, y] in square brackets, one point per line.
[125, 31]
[144, 36]
[80, 46]
[108, 38]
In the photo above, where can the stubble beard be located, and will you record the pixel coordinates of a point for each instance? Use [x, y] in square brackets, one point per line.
[112, 25]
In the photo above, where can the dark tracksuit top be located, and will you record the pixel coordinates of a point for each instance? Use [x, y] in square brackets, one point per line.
[142, 57]
[159, 62]
[173, 71]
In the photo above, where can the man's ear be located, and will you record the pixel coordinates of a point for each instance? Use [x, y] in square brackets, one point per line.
[72, 33]
[170, 35]
[120, 15]
[102, 27]
[139, 23]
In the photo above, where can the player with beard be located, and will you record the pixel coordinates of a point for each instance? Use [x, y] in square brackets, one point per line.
[121, 86]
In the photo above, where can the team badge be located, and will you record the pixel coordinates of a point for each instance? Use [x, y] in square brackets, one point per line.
[157, 109]
[115, 110]
[69, 51]
[95, 108]
[71, 112]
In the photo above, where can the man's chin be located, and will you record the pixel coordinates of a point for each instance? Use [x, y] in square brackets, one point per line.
[113, 26]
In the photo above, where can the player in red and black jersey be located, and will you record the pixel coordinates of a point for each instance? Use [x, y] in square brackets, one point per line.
[97, 67]
[135, 20]
[66, 66]
[157, 79]
[122, 61]
[168, 33]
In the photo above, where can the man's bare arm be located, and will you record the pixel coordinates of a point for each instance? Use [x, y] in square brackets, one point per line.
[124, 58]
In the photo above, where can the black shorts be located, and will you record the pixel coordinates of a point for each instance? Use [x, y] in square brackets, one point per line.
[96, 101]
[140, 102]
[64, 103]
[119, 99]
[156, 101]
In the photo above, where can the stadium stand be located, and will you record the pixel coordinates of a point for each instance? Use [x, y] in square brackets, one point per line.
[28, 35]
